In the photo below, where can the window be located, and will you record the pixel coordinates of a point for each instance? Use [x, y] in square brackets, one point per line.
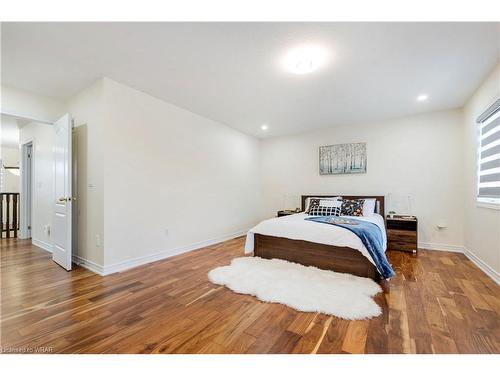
[488, 173]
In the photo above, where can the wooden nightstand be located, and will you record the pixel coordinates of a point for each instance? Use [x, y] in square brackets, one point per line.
[402, 233]
[286, 212]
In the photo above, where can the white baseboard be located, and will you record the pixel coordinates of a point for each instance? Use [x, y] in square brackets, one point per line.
[482, 266]
[41, 244]
[125, 265]
[131, 263]
[440, 247]
[469, 254]
[91, 266]
[128, 264]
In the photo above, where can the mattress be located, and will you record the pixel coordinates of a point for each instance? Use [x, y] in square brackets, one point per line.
[294, 227]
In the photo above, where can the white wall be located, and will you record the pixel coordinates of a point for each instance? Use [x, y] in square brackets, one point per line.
[9, 153]
[36, 107]
[43, 137]
[31, 105]
[145, 166]
[168, 168]
[9, 157]
[87, 112]
[482, 225]
[420, 156]
[9, 131]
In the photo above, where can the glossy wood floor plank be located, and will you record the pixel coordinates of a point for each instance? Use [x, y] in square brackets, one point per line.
[439, 302]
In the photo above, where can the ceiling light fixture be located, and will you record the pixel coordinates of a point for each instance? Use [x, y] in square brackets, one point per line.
[422, 98]
[305, 59]
[264, 127]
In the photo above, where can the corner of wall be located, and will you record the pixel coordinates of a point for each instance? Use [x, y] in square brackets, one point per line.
[481, 225]
[86, 108]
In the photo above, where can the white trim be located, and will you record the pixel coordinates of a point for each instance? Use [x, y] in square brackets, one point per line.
[125, 265]
[482, 266]
[88, 264]
[440, 247]
[490, 205]
[24, 210]
[494, 275]
[23, 117]
[131, 263]
[43, 245]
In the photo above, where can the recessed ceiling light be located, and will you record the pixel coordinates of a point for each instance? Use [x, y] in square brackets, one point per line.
[422, 98]
[305, 59]
[264, 127]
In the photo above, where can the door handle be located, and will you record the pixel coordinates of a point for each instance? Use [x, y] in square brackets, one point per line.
[63, 199]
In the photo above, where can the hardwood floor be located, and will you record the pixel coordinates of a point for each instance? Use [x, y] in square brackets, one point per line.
[439, 302]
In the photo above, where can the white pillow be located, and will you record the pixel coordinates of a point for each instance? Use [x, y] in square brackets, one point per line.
[322, 198]
[330, 203]
[369, 206]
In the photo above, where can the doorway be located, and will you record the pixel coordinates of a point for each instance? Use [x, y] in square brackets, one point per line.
[45, 162]
[27, 164]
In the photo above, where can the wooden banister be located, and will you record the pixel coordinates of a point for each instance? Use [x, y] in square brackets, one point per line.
[9, 214]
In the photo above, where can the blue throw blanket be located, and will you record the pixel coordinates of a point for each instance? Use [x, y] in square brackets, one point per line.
[371, 236]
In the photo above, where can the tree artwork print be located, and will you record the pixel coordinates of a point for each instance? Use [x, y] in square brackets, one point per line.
[345, 158]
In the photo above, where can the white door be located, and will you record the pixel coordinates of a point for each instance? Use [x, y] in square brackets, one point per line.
[61, 224]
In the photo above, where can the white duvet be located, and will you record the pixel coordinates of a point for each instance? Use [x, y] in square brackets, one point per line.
[296, 228]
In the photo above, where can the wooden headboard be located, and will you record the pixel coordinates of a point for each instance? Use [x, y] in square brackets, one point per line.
[379, 208]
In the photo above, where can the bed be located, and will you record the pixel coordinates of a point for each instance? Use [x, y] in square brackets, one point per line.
[324, 246]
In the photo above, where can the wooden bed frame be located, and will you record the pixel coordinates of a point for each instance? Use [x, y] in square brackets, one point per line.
[328, 257]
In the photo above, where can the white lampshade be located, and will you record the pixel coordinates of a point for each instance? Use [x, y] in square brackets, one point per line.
[401, 204]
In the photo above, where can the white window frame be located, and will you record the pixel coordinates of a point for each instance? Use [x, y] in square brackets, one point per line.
[492, 203]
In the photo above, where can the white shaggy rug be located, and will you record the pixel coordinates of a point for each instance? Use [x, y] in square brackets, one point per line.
[302, 288]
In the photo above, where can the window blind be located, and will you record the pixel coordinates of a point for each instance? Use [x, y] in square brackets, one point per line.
[489, 154]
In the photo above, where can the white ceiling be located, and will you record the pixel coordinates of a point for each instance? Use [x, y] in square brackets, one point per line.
[232, 73]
